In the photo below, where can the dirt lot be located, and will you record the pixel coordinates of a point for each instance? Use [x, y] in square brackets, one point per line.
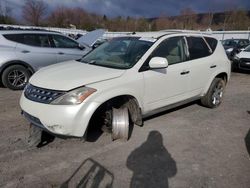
[188, 147]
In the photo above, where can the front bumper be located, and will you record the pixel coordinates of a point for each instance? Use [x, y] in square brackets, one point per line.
[66, 120]
[242, 64]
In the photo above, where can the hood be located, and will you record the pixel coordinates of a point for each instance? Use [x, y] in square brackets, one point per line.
[91, 37]
[72, 74]
[244, 54]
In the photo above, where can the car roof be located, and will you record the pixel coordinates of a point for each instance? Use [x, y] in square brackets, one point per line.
[26, 32]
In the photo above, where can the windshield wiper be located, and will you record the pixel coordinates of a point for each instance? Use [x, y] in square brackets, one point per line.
[93, 62]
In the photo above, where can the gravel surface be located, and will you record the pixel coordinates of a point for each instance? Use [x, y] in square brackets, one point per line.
[191, 146]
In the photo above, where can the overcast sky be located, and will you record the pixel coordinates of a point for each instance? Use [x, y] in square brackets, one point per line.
[139, 8]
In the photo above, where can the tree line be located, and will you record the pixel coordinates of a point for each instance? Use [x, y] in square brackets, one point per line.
[35, 12]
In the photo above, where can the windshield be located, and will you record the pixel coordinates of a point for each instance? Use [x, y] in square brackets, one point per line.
[247, 49]
[230, 42]
[119, 53]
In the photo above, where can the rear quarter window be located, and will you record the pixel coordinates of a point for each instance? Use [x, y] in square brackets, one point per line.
[14, 37]
[212, 43]
[197, 48]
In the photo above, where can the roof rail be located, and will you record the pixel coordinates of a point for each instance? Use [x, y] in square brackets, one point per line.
[187, 31]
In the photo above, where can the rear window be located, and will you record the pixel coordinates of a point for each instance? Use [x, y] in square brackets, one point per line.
[38, 40]
[212, 43]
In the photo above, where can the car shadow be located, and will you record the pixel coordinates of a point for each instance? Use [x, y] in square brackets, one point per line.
[172, 110]
[247, 138]
[247, 142]
[151, 163]
[90, 174]
[242, 71]
[46, 138]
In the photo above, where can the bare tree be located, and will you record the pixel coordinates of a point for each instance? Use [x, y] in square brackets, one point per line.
[188, 18]
[163, 22]
[238, 20]
[34, 11]
[5, 10]
[5, 13]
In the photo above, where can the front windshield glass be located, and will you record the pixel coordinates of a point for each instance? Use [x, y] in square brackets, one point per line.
[230, 42]
[119, 53]
[247, 49]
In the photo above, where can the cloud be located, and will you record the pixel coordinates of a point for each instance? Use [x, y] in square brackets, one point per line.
[143, 8]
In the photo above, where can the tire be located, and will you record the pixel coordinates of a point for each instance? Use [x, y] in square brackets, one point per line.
[214, 96]
[35, 136]
[15, 77]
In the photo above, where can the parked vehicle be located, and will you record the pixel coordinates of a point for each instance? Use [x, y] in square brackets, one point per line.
[24, 52]
[234, 46]
[124, 80]
[241, 61]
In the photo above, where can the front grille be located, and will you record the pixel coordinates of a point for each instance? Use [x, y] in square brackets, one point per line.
[41, 95]
[245, 63]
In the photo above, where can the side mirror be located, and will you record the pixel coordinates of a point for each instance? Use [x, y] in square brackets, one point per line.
[158, 63]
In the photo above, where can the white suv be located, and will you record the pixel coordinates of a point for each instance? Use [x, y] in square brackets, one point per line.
[124, 80]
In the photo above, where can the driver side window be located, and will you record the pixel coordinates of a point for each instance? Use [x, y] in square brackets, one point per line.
[172, 49]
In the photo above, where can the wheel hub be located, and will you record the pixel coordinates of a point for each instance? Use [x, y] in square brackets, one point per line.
[120, 124]
[217, 94]
[17, 78]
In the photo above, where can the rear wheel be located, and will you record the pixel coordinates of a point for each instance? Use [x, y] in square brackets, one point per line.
[15, 77]
[215, 94]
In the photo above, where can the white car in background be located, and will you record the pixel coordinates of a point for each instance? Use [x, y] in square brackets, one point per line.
[124, 80]
[24, 52]
[241, 61]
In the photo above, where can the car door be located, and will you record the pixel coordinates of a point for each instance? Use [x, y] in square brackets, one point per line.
[168, 85]
[202, 65]
[66, 48]
[34, 49]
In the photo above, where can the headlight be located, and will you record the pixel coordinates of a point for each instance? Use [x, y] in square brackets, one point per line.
[236, 57]
[74, 97]
[229, 50]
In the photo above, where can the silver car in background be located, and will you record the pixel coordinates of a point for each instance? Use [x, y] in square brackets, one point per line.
[24, 52]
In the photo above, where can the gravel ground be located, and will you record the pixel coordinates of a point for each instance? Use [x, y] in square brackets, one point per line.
[191, 146]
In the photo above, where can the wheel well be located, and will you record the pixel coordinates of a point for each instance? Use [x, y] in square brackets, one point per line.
[98, 117]
[223, 76]
[11, 63]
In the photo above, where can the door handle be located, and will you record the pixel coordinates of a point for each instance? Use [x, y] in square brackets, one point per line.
[213, 66]
[185, 72]
[25, 51]
[60, 53]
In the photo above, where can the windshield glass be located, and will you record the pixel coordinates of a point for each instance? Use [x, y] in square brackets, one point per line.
[119, 53]
[247, 49]
[230, 42]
